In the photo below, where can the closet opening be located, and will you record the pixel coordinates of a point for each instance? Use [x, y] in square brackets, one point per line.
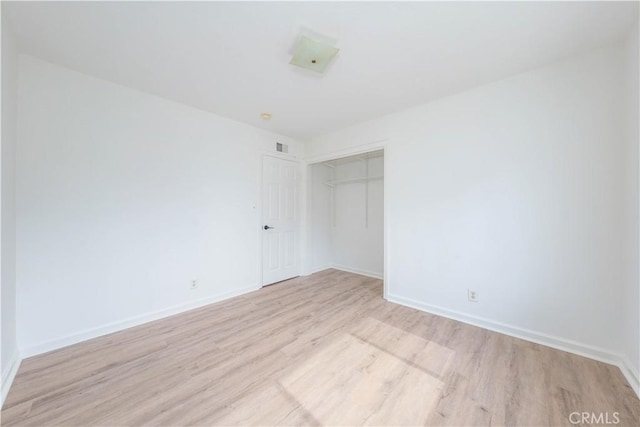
[345, 225]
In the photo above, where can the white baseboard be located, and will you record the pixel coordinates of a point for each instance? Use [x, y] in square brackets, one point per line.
[603, 355]
[109, 328]
[315, 270]
[631, 374]
[340, 267]
[359, 271]
[8, 376]
[569, 346]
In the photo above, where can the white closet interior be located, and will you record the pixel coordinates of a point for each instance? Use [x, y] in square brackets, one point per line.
[346, 214]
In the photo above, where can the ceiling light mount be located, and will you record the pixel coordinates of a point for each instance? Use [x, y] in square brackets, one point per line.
[266, 116]
[312, 54]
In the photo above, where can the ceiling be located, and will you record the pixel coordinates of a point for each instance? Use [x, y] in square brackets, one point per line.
[232, 59]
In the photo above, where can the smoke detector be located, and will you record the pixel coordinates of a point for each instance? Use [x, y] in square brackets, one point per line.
[313, 54]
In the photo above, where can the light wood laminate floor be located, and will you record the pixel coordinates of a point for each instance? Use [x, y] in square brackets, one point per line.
[319, 350]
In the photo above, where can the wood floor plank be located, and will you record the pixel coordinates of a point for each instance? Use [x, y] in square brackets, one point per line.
[319, 350]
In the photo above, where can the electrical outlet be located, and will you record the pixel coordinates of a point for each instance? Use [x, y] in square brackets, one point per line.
[472, 295]
[194, 284]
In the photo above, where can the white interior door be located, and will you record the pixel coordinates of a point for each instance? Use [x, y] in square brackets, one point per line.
[279, 219]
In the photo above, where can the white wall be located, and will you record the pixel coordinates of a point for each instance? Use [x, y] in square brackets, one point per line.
[341, 235]
[356, 245]
[9, 351]
[320, 223]
[632, 295]
[123, 199]
[515, 190]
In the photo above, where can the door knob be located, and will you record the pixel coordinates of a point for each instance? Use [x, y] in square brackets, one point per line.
[266, 227]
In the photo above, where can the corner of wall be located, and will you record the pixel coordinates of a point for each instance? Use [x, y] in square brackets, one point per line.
[8, 375]
[9, 357]
[631, 364]
[631, 373]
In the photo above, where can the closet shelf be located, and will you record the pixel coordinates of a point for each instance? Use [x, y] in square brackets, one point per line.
[352, 180]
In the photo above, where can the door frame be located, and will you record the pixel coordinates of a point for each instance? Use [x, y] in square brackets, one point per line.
[382, 144]
[260, 208]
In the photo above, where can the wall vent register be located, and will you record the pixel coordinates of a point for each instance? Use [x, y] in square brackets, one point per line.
[282, 148]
